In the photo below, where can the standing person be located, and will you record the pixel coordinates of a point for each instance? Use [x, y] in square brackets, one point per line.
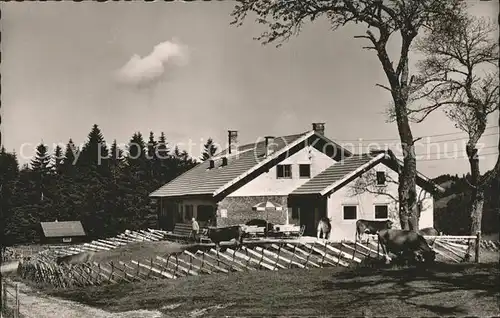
[195, 229]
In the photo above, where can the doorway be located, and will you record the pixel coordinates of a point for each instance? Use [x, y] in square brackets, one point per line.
[310, 212]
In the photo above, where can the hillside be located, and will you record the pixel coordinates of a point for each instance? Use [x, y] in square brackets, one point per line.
[451, 214]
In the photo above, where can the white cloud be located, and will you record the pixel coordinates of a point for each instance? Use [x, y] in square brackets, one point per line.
[150, 69]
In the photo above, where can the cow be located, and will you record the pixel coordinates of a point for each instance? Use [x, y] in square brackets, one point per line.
[224, 234]
[371, 227]
[324, 228]
[428, 231]
[406, 244]
[79, 258]
[261, 223]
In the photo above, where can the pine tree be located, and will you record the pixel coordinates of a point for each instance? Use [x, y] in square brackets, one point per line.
[41, 162]
[9, 172]
[164, 164]
[152, 155]
[182, 161]
[209, 150]
[70, 155]
[136, 157]
[95, 152]
[115, 160]
[162, 147]
[58, 158]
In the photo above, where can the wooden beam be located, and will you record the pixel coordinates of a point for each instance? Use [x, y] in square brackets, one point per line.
[449, 250]
[247, 258]
[162, 273]
[369, 249]
[186, 270]
[233, 259]
[261, 255]
[339, 252]
[308, 261]
[278, 256]
[324, 254]
[354, 250]
[218, 260]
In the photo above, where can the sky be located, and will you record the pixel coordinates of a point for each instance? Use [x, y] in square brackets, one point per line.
[182, 69]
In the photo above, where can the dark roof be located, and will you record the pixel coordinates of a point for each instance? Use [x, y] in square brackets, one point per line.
[332, 174]
[62, 229]
[202, 180]
[352, 167]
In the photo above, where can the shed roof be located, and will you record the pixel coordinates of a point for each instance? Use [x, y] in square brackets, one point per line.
[62, 229]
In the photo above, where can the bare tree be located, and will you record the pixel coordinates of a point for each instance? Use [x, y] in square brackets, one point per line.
[405, 18]
[368, 183]
[459, 74]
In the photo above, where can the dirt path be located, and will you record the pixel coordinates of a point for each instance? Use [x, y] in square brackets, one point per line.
[37, 305]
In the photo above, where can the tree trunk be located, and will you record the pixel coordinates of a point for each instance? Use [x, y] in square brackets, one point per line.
[476, 215]
[407, 191]
[477, 198]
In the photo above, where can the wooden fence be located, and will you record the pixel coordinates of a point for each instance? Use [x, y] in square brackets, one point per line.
[10, 300]
[257, 255]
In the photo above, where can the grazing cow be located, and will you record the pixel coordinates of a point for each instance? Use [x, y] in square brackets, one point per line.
[79, 258]
[405, 243]
[430, 231]
[261, 223]
[371, 227]
[324, 228]
[224, 234]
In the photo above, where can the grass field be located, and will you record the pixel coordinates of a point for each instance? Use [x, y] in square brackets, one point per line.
[444, 289]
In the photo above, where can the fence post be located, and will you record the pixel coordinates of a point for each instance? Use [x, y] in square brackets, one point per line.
[17, 301]
[477, 247]
[4, 296]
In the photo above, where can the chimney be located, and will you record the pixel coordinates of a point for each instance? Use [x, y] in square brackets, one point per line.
[269, 140]
[319, 128]
[232, 140]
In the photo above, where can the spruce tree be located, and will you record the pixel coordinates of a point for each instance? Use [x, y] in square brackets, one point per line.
[136, 157]
[70, 155]
[115, 160]
[58, 158]
[209, 150]
[9, 172]
[164, 164]
[152, 155]
[95, 152]
[41, 162]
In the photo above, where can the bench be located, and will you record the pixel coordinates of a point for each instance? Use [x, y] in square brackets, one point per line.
[182, 232]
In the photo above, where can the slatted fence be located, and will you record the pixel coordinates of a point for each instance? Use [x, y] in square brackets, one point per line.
[268, 254]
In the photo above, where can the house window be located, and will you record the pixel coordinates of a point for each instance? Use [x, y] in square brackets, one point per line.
[381, 212]
[284, 171]
[381, 178]
[305, 171]
[350, 212]
[188, 212]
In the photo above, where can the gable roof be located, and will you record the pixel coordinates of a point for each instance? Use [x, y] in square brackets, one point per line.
[339, 174]
[201, 180]
[335, 173]
[62, 229]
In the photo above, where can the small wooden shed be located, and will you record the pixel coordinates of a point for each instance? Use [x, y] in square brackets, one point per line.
[65, 232]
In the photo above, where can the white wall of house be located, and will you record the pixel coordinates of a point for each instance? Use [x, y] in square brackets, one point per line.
[365, 203]
[268, 183]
